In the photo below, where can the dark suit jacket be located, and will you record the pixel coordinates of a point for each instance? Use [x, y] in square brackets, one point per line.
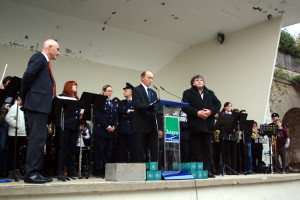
[125, 119]
[210, 101]
[108, 116]
[37, 85]
[143, 121]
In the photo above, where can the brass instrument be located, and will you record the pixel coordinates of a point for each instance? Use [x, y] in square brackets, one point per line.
[254, 133]
[216, 136]
[51, 131]
[274, 139]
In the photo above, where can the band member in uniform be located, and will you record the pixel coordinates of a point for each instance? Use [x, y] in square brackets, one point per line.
[230, 138]
[126, 139]
[144, 120]
[71, 128]
[257, 148]
[37, 90]
[105, 128]
[3, 129]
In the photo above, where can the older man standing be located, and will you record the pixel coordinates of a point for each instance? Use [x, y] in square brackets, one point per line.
[144, 121]
[37, 91]
[203, 105]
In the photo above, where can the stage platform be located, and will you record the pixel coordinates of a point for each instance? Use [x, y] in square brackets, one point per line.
[261, 186]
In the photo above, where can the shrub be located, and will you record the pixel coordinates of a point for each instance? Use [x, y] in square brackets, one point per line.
[279, 73]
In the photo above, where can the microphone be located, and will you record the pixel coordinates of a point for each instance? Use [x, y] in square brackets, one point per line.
[157, 91]
[171, 93]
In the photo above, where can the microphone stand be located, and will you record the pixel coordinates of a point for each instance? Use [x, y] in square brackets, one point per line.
[15, 177]
[171, 93]
[158, 91]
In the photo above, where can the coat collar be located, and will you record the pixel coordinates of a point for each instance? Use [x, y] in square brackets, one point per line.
[195, 90]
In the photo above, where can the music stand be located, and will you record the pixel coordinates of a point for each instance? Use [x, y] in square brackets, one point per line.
[91, 102]
[240, 122]
[270, 131]
[63, 108]
[225, 125]
[12, 90]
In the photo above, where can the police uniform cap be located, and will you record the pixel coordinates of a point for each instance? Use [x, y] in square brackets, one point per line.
[128, 86]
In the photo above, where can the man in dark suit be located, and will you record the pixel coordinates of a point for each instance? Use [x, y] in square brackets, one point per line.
[144, 120]
[126, 139]
[203, 105]
[37, 91]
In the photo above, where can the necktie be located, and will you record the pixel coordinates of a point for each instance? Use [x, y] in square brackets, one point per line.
[149, 94]
[54, 86]
[129, 101]
[108, 101]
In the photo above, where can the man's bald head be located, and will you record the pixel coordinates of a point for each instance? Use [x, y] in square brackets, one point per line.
[51, 49]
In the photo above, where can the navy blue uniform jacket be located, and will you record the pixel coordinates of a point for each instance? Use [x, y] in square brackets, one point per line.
[125, 119]
[108, 116]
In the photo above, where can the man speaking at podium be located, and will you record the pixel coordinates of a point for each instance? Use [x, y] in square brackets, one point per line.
[203, 105]
[144, 121]
[37, 91]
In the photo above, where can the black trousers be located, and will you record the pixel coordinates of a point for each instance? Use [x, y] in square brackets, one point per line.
[37, 124]
[230, 148]
[126, 143]
[185, 150]
[217, 155]
[201, 148]
[69, 149]
[103, 147]
[144, 141]
[257, 149]
[21, 142]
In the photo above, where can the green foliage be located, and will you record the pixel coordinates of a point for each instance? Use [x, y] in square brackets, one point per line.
[287, 43]
[296, 82]
[279, 73]
[297, 60]
[295, 79]
[298, 46]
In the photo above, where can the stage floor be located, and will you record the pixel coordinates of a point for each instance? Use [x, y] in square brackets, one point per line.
[18, 190]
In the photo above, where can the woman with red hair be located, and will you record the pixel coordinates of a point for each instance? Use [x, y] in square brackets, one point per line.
[71, 129]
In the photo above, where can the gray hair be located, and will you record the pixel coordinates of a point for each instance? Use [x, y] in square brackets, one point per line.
[195, 77]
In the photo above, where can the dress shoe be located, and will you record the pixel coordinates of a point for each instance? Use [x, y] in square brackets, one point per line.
[46, 179]
[250, 172]
[210, 175]
[35, 179]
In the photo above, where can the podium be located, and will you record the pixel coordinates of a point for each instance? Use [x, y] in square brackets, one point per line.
[168, 121]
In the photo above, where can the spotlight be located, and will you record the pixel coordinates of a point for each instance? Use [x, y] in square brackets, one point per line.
[221, 37]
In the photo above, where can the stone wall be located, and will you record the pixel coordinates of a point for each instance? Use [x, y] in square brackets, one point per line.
[287, 62]
[285, 101]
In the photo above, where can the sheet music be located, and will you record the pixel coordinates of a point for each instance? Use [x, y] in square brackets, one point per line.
[67, 98]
